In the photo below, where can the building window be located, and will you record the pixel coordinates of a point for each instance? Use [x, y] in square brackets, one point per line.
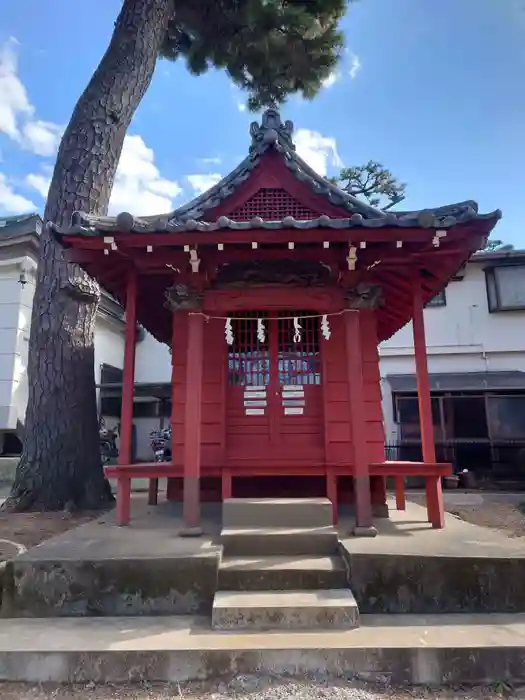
[506, 288]
[439, 300]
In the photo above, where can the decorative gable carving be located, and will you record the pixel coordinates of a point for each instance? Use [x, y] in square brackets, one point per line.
[272, 204]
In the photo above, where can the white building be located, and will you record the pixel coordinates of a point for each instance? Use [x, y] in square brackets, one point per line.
[476, 353]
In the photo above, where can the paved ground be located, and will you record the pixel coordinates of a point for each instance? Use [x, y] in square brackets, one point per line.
[189, 633]
[408, 532]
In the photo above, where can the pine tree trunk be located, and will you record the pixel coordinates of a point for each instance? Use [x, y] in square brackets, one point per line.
[60, 464]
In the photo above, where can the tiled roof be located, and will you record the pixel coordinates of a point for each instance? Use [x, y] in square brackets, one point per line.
[272, 134]
[441, 218]
[12, 227]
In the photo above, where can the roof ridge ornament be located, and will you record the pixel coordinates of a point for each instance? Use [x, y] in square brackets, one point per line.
[271, 132]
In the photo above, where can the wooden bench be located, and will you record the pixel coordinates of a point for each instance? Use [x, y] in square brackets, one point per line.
[124, 473]
[432, 472]
[397, 469]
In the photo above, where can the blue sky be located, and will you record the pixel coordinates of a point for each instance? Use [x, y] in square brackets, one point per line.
[432, 89]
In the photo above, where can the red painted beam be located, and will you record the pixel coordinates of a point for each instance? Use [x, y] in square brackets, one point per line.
[229, 236]
[397, 468]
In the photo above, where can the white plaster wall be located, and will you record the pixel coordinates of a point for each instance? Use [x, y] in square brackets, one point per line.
[465, 323]
[16, 301]
[461, 337]
[152, 362]
[109, 346]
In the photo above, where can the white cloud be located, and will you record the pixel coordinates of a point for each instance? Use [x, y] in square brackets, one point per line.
[201, 183]
[139, 187]
[42, 138]
[16, 111]
[14, 101]
[241, 106]
[39, 182]
[10, 201]
[355, 66]
[317, 150]
[331, 79]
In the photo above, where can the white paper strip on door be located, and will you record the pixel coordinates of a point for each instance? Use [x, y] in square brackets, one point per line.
[254, 400]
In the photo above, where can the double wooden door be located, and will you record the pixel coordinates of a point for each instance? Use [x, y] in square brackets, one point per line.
[274, 388]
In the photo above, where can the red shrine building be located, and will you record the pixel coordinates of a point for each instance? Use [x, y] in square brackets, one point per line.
[273, 290]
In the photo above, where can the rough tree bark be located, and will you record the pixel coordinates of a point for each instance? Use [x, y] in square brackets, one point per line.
[60, 464]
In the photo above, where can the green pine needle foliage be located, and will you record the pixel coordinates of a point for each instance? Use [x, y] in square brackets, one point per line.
[270, 48]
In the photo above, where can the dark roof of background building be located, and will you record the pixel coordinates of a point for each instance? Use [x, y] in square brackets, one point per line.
[13, 227]
[498, 255]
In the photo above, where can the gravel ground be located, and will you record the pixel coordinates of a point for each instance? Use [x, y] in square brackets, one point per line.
[506, 516]
[252, 688]
[24, 530]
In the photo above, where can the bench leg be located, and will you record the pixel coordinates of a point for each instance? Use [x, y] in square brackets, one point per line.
[435, 507]
[153, 492]
[226, 484]
[400, 493]
[123, 500]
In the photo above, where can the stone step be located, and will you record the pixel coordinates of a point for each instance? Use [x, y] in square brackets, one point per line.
[277, 512]
[281, 573]
[284, 610]
[257, 541]
[405, 649]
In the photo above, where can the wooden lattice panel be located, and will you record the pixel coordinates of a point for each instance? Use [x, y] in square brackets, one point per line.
[272, 204]
[248, 357]
[299, 359]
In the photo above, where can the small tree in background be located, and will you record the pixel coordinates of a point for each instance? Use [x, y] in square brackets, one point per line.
[494, 245]
[373, 182]
[380, 188]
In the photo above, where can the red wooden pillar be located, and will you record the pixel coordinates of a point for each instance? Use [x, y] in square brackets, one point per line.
[173, 483]
[436, 514]
[126, 413]
[363, 504]
[192, 426]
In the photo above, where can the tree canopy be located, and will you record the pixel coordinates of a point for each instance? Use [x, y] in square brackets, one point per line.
[269, 48]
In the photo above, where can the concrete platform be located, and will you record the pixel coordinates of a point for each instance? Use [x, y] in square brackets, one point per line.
[102, 569]
[284, 610]
[281, 573]
[404, 649]
[412, 568]
[145, 568]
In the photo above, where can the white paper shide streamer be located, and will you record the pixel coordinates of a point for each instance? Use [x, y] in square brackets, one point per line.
[297, 331]
[325, 327]
[228, 331]
[261, 335]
